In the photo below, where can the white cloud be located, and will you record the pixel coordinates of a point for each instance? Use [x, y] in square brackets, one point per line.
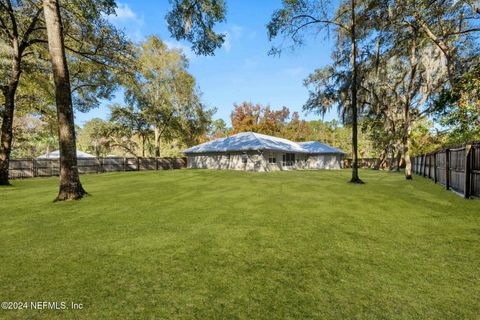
[232, 34]
[227, 44]
[237, 31]
[124, 12]
[129, 20]
[294, 72]
[172, 44]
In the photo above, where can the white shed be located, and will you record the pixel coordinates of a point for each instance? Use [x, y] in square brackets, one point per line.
[56, 155]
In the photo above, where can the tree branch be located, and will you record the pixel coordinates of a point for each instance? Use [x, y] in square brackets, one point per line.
[30, 29]
[5, 28]
[12, 18]
[462, 32]
[315, 20]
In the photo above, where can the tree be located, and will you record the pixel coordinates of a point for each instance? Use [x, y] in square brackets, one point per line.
[94, 137]
[448, 26]
[423, 137]
[421, 50]
[257, 118]
[70, 185]
[245, 117]
[97, 51]
[17, 31]
[458, 109]
[165, 94]
[162, 89]
[196, 120]
[193, 20]
[262, 119]
[130, 121]
[218, 129]
[33, 135]
[297, 17]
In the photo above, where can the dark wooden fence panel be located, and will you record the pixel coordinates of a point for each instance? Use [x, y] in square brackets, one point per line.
[45, 167]
[148, 163]
[171, 163]
[441, 167]
[88, 165]
[29, 168]
[131, 164]
[113, 164]
[475, 170]
[458, 169]
[21, 168]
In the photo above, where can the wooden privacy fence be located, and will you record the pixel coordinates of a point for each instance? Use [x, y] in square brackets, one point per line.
[458, 169]
[29, 168]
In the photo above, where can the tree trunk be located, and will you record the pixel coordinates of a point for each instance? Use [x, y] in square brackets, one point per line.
[406, 110]
[353, 58]
[70, 185]
[143, 145]
[392, 157]
[381, 160]
[157, 142]
[7, 121]
[405, 141]
[398, 160]
[6, 135]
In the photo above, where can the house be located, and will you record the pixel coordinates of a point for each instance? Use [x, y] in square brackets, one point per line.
[252, 151]
[56, 155]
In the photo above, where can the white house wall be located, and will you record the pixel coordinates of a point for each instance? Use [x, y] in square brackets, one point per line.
[324, 161]
[232, 161]
[257, 161]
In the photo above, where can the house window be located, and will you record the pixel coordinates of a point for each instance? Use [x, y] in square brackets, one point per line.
[272, 158]
[288, 159]
[244, 158]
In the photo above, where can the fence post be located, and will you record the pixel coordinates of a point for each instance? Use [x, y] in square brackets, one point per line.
[468, 164]
[33, 167]
[435, 167]
[421, 165]
[424, 165]
[156, 163]
[124, 163]
[447, 169]
[138, 163]
[429, 165]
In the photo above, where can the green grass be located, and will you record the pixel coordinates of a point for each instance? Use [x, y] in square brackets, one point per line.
[220, 244]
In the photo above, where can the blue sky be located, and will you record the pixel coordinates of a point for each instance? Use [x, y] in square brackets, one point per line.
[239, 71]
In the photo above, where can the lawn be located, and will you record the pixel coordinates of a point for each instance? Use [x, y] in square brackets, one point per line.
[216, 244]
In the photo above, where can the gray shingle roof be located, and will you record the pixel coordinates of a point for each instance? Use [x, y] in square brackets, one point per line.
[249, 141]
[318, 147]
